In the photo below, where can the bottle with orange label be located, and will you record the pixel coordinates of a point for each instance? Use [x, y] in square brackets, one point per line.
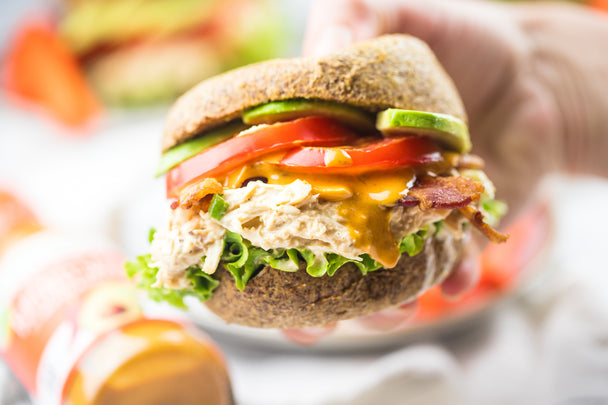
[73, 331]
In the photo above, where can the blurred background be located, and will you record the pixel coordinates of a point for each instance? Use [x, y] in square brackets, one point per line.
[85, 86]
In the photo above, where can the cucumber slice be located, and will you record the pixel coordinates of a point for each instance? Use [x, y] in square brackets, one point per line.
[449, 131]
[287, 110]
[186, 150]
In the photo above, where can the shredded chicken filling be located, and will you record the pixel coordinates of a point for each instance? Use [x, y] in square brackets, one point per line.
[269, 216]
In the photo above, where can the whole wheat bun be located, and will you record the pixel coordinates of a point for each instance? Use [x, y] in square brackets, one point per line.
[392, 71]
[280, 299]
[396, 71]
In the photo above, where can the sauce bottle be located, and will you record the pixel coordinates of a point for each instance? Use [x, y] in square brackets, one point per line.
[73, 331]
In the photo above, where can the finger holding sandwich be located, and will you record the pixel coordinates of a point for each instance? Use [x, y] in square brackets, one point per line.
[309, 191]
[481, 46]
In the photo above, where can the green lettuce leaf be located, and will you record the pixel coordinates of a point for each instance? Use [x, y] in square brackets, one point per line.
[202, 288]
[218, 207]
[493, 210]
[413, 243]
[243, 261]
[240, 258]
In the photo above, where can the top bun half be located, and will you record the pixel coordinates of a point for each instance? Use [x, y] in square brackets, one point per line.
[392, 71]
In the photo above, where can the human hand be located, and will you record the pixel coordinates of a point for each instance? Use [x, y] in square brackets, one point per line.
[516, 110]
[461, 280]
[530, 76]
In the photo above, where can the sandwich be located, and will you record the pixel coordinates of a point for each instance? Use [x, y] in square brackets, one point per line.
[311, 190]
[138, 52]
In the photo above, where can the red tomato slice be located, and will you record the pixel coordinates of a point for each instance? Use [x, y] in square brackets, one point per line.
[236, 151]
[376, 155]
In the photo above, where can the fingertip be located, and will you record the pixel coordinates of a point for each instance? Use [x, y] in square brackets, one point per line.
[337, 24]
[390, 319]
[462, 279]
[308, 336]
[330, 39]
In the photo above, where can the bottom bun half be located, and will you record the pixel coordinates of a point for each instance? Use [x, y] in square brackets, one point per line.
[280, 299]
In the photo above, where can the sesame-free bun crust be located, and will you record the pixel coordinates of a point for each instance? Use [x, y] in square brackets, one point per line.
[395, 71]
[279, 299]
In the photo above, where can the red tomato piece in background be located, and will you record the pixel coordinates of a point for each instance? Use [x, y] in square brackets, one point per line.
[433, 306]
[381, 154]
[40, 68]
[235, 152]
[502, 267]
[503, 264]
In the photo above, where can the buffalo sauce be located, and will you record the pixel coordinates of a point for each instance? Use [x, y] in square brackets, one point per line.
[73, 331]
[364, 201]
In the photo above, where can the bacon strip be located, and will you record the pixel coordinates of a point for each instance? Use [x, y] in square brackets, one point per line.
[476, 219]
[452, 193]
[444, 193]
[194, 193]
[408, 201]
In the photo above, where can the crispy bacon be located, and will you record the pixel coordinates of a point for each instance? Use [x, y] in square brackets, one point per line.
[444, 193]
[408, 201]
[476, 219]
[452, 193]
[196, 193]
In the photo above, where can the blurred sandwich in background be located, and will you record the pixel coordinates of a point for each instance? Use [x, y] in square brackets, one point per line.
[145, 51]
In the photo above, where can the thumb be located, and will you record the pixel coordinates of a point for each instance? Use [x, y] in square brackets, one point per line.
[477, 42]
[337, 23]
[465, 275]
